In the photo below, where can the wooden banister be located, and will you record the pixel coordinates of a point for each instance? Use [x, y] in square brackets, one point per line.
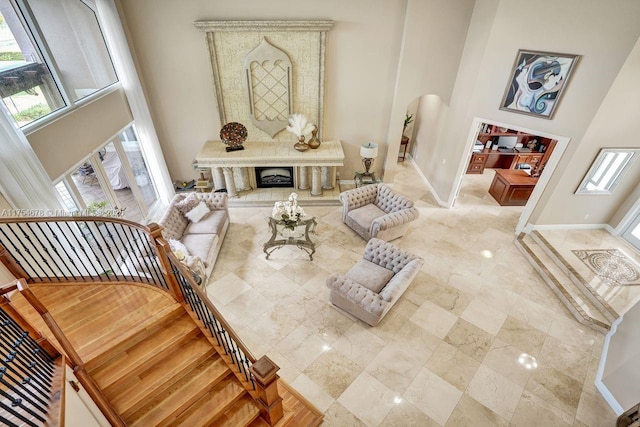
[76, 361]
[10, 262]
[163, 248]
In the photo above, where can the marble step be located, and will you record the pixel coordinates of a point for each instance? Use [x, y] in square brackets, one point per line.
[596, 299]
[584, 311]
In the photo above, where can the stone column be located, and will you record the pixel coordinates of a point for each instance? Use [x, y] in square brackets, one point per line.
[316, 182]
[218, 178]
[328, 177]
[244, 178]
[303, 184]
[230, 184]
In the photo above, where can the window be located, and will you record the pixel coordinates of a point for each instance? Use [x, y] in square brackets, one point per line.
[607, 170]
[52, 54]
[116, 175]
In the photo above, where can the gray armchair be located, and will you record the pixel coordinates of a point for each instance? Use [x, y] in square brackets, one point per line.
[375, 283]
[377, 211]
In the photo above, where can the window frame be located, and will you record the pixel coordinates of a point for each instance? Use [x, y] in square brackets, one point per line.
[614, 178]
[27, 18]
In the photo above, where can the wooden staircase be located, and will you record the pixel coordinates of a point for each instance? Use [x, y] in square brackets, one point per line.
[154, 364]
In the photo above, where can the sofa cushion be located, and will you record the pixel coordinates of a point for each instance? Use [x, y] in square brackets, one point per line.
[365, 215]
[211, 223]
[187, 203]
[200, 244]
[197, 213]
[370, 275]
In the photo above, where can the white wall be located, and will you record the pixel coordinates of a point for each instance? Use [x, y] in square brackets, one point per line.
[67, 140]
[602, 32]
[363, 50]
[615, 125]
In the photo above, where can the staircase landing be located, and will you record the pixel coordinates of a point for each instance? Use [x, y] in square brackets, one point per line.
[595, 275]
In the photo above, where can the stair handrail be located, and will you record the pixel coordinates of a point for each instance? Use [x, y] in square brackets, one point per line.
[75, 360]
[79, 249]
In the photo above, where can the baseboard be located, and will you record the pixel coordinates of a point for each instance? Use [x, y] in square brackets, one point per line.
[428, 184]
[604, 391]
[569, 227]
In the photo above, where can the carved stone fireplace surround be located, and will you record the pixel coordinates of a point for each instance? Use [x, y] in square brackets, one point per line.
[235, 171]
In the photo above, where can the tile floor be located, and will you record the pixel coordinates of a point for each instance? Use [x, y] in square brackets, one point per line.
[447, 353]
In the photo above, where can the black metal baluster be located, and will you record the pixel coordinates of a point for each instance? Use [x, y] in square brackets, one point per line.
[106, 242]
[84, 251]
[31, 399]
[54, 248]
[35, 249]
[17, 415]
[20, 403]
[18, 336]
[24, 363]
[75, 272]
[47, 257]
[105, 272]
[20, 258]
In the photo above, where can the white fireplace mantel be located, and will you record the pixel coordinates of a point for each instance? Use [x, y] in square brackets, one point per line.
[321, 161]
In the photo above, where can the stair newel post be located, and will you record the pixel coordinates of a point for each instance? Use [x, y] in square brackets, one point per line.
[12, 265]
[162, 249]
[264, 372]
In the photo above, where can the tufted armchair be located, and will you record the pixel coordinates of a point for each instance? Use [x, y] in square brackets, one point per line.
[375, 283]
[377, 211]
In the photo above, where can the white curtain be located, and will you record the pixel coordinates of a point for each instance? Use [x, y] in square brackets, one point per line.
[125, 67]
[24, 182]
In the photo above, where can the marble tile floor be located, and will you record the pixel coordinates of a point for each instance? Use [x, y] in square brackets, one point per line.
[447, 353]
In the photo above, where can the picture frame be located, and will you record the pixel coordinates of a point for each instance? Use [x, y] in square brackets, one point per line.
[537, 81]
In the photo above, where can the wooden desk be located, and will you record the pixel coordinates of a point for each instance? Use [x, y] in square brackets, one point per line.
[512, 187]
[495, 159]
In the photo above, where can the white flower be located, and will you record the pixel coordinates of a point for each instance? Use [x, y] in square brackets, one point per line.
[299, 125]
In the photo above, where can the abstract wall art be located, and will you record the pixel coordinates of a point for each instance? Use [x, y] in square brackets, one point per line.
[537, 81]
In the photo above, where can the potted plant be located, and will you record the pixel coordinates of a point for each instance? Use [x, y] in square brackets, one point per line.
[407, 119]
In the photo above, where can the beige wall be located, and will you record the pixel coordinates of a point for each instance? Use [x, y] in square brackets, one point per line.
[362, 53]
[433, 40]
[64, 142]
[603, 33]
[615, 125]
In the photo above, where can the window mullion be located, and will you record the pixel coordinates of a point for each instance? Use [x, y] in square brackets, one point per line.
[37, 38]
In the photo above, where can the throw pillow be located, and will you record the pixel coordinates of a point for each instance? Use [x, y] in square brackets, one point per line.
[178, 248]
[187, 204]
[197, 213]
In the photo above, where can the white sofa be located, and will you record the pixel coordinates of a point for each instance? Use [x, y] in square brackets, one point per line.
[204, 238]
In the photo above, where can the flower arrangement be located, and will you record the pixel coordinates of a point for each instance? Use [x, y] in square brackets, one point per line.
[299, 126]
[288, 212]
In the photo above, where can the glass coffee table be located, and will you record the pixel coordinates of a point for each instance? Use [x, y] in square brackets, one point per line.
[299, 236]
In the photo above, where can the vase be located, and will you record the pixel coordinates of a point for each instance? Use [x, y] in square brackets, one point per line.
[301, 145]
[314, 142]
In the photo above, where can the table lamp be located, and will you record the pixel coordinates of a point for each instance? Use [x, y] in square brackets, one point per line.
[368, 152]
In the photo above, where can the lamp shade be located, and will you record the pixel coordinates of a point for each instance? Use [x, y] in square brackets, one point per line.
[369, 150]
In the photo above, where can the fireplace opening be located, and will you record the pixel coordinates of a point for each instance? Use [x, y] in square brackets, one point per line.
[274, 176]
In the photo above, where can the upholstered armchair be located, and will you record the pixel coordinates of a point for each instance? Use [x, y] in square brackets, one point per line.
[377, 211]
[375, 283]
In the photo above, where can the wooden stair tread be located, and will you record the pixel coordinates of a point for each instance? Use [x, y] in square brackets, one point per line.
[132, 395]
[173, 401]
[101, 301]
[143, 354]
[212, 405]
[109, 340]
[242, 413]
